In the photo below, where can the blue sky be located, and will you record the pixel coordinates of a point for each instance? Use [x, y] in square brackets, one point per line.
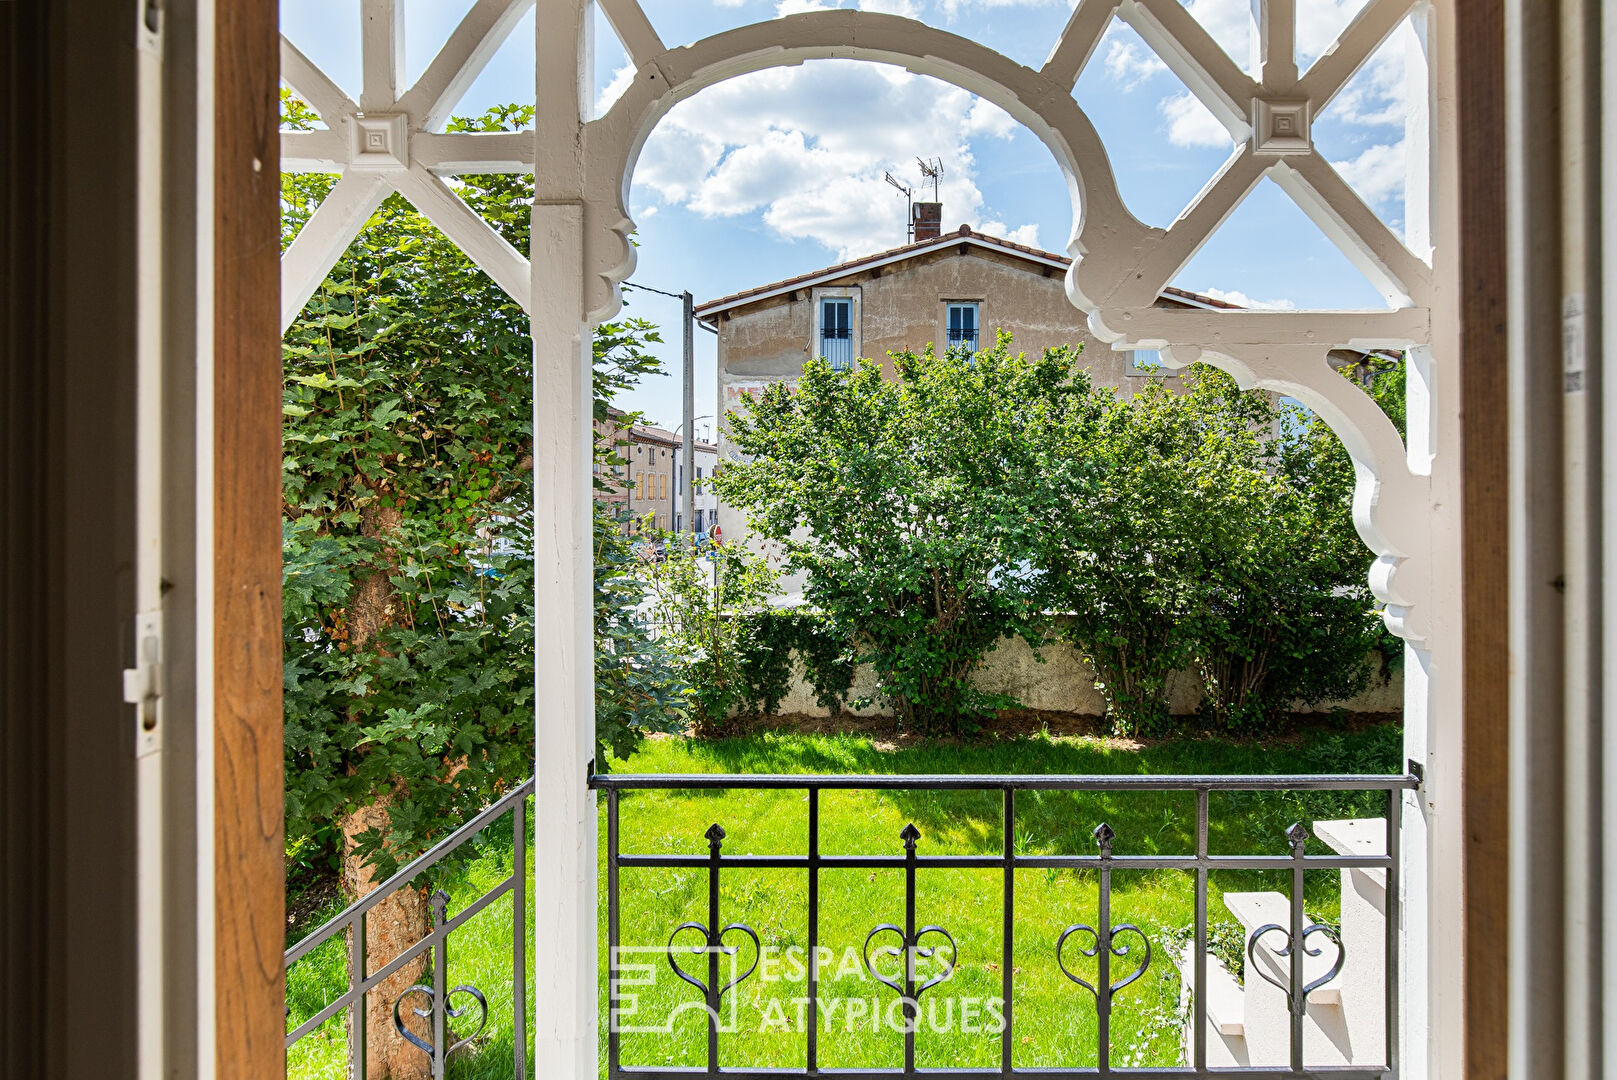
[780, 172]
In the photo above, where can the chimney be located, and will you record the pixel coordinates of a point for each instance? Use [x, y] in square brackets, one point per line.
[926, 220]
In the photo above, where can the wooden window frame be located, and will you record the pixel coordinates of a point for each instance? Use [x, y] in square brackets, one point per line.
[851, 293]
[245, 444]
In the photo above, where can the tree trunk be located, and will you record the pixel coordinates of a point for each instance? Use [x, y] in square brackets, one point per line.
[391, 926]
[402, 919]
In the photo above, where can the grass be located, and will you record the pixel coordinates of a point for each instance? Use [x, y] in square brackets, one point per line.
[1054, 1018]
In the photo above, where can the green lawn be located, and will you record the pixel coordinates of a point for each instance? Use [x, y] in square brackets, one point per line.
[1055, 1019]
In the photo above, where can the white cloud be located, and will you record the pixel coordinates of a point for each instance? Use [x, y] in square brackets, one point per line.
[907, 8]
[1376, 97]
[1229, 22]
[1241, 299]
[1377, 174]
[1022, 234]
[986, 118]
[805, 149]
[614, 89]
[1190, 123]
[952, 8]
[1131, 62]
[910, 9]
[1378, 94]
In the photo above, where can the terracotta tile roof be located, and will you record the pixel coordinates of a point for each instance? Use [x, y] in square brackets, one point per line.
[653, 433]
[919, 247]
[1198, 298]
[647, 433]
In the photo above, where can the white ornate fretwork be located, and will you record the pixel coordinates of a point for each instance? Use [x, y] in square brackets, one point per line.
[390, 141]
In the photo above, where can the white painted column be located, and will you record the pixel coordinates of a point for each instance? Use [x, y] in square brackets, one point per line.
[564, 969]
[1433, 965]
[564, 810]
[1416, 957]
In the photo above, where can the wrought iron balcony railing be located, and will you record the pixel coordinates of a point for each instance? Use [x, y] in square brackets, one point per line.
[1295, 956]
[433, 1002]
[1294, 946]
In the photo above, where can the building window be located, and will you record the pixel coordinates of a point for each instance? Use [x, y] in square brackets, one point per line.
[962, 325]
[836, 331]
[1146, 362]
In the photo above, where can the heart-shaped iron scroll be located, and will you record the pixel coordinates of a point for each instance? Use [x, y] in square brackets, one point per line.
[450, 1013]
[921, 952]
[886, 950]
[1120, 951]
[716, 943]
[929, 953]
[1316, 928]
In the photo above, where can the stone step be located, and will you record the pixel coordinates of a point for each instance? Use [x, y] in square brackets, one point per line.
[1226, 1030]
[1357, 836]
[1225, 1013]
[1256, 909]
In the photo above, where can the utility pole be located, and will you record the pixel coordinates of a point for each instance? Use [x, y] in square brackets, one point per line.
[687, 488]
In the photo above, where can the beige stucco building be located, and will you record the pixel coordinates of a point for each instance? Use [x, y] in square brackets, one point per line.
[957, 288]
[645, 484]
[904, 299]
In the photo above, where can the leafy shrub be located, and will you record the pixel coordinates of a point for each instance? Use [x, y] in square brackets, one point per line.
[1289, 617]
[907, 503]
[1154, 482]
[707, 605]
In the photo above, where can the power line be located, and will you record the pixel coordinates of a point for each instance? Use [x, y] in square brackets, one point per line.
[648, 288]
[671, 296]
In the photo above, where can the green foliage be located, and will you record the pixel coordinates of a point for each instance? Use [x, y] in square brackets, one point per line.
[408, 567]
[1387, 386]
[974, 498]
[638, 687]
[828, 662]
[1153, 487]
[709, 606]
[906, 501]
[1290, 618]
[1214, 530]
[408, 612]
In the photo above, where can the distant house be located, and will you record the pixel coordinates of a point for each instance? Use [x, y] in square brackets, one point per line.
[706, 455]
[953, 289]
[948, 289]
[645, 485]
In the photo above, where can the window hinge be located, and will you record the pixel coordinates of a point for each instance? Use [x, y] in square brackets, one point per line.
[143, 683]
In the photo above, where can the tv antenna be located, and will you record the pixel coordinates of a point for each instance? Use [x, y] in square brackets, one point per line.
[933, 171]
[909, 201]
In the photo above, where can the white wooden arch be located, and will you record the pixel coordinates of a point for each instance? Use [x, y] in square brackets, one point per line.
[390, 141]
[1120, 265]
